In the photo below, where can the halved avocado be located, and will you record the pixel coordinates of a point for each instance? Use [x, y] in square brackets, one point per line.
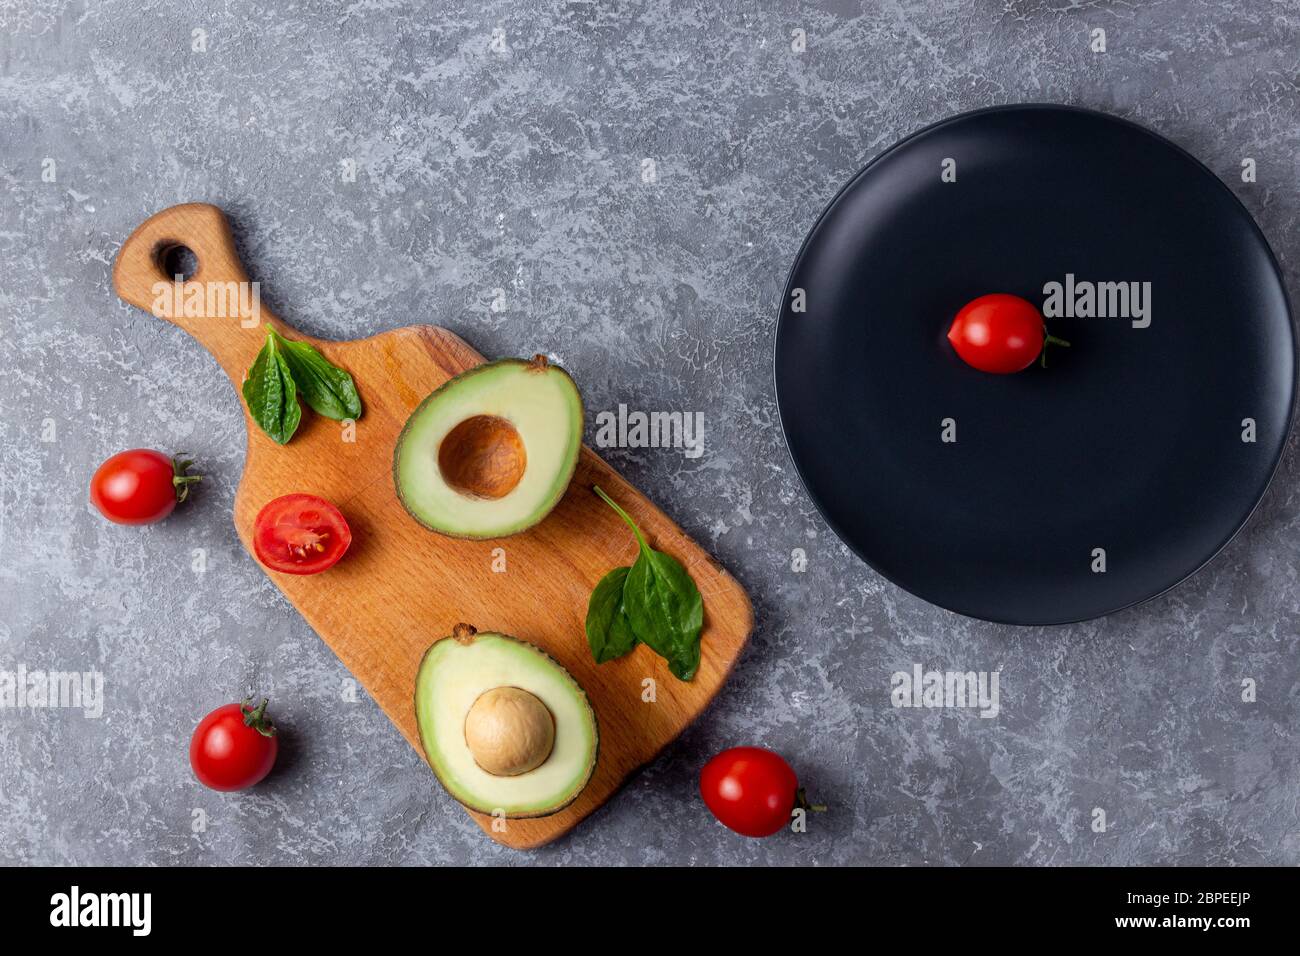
[506, 729]
[491, 452]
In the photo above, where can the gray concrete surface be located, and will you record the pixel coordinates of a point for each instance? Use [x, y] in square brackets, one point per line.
[520, 169]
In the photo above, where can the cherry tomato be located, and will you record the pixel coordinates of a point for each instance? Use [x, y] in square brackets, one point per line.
[140, 486]
[300, 534]
[234, 747]
[751, 790]
[1000, 333]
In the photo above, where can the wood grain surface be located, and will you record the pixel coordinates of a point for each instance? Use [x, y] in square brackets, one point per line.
[401, 587]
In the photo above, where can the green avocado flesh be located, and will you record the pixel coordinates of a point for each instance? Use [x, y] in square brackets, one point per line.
[492, 451]
[455, 672]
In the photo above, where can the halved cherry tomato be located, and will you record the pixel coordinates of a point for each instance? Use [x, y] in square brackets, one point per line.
[140, 486]
[300, 534]
[1000, 333]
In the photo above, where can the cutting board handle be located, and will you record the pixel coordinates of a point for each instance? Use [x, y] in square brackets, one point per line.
[217, 304]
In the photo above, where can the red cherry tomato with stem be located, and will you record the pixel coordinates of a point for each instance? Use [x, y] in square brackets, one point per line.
[140, 486]
[1001, 334]
[234, 747]
[300, 534]
[752, 791]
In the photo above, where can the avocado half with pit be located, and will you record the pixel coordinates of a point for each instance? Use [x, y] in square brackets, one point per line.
[506, 729]
[491, 452]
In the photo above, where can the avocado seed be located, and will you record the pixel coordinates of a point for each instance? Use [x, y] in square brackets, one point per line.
[509, 731]
[483, 457]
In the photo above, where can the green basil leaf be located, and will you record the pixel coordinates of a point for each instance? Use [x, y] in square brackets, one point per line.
[325, 387]
[608, 630]
[271, 395]
[662, 604]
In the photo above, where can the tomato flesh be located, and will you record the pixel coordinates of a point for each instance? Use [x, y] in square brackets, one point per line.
[750, 790]
[998, 333]
[135, 487]
[300, 534]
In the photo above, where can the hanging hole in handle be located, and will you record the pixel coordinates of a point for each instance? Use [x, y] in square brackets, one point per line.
[178, 261]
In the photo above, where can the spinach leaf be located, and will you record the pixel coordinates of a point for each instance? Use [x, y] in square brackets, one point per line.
[666, 610]
[328, 389]
[271, 395]
[608, 630]
[662, 604]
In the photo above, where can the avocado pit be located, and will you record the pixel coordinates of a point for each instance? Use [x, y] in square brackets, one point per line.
[483, 457]
[509, 731]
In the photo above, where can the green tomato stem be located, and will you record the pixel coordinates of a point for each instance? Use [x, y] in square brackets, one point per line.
[256, 718]
[180, 480]
[1049, 339]
[801, 801]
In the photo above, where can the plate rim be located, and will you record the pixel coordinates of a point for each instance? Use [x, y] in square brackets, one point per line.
[1030, 107]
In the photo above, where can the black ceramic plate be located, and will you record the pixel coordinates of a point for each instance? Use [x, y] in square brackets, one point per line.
[1127, 448]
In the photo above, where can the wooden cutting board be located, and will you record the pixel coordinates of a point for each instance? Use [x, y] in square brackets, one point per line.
[401, 587]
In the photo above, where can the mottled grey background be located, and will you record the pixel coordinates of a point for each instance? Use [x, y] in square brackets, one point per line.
[522, 171]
